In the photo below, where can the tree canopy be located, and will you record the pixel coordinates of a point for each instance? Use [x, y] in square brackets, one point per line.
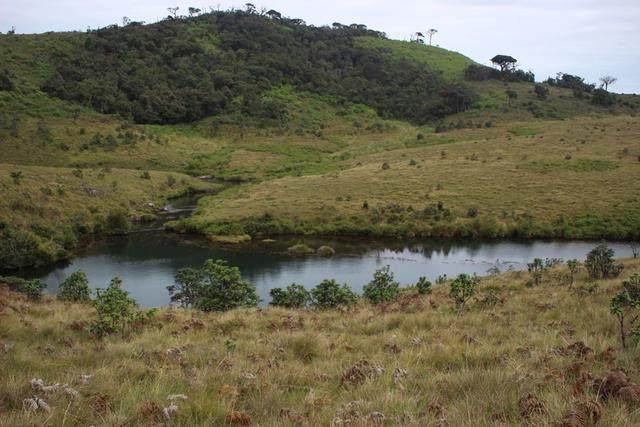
[185, 69]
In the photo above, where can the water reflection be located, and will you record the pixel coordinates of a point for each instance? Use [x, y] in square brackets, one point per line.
[147, 262]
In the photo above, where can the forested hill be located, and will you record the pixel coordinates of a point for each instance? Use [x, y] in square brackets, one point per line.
[184, 69]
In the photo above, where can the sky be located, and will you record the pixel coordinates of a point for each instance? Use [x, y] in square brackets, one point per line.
[590, 38]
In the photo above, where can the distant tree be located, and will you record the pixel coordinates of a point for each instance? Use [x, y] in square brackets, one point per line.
[250, 7]
[126, 21]
[418, 37]
[505, 62]
[193, 11]
[274, 14]
[12, 30]
[173, 11]
[431, 32]
[607, 81]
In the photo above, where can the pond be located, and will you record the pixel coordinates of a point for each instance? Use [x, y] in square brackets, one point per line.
[147, 261]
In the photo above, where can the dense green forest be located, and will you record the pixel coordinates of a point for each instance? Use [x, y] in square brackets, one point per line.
[182, 70]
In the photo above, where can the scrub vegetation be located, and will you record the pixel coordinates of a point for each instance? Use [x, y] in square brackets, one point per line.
[561, 352]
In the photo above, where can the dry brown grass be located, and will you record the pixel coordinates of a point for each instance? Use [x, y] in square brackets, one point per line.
[532, 359]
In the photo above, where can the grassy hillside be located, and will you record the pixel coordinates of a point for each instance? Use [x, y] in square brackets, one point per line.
[308, 148]
[450, 64]
[574, 179]
[44, 210]
[414, 362]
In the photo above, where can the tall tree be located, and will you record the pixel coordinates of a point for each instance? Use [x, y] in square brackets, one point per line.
[505, 62]
[606, 81]
[431, 32]
[173, 11]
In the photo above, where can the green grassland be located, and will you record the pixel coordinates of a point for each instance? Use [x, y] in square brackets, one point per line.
[529, 167]
[415, 362]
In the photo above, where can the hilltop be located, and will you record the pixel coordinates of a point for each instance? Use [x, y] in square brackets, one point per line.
[417, 140]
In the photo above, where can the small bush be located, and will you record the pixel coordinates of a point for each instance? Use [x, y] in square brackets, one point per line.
[116, 310]
[293, 296]
[186, 289]
[424, 286]
[117, 222]
[16, 177]
[33, 289]
[385, 166]
[145, 175]
[382, 288]
[541, 91]
[75, 288]
[536, 268]
[223, 289]
[600, 263]
[326, 251]
[462, 289]
[472, 212]
[171, 180]
[329, 294]
[300, 249]
[626, 307]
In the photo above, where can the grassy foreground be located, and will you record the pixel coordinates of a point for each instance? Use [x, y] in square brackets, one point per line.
[511, 358]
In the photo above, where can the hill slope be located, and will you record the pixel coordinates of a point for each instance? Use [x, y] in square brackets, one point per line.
[281, 106]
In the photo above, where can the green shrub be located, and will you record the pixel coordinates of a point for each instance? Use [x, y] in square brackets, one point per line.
[145, 175]
[541, 91]
[626, 307]
[424, 286]
[187, 287]
[574, 267]
[462, 289]
[329, 294]
[382, 288]
[536, 268]
[223, 289]
[16, 177]
[600, 263]
[115, 310]
[117, 222]
[33, 289]
[300, 249]
[326, 251]
[293, 296]
[75, 288]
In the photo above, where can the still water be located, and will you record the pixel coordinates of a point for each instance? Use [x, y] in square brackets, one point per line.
[147, 262]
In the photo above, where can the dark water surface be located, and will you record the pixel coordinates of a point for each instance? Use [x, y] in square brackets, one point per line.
[147, 262]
